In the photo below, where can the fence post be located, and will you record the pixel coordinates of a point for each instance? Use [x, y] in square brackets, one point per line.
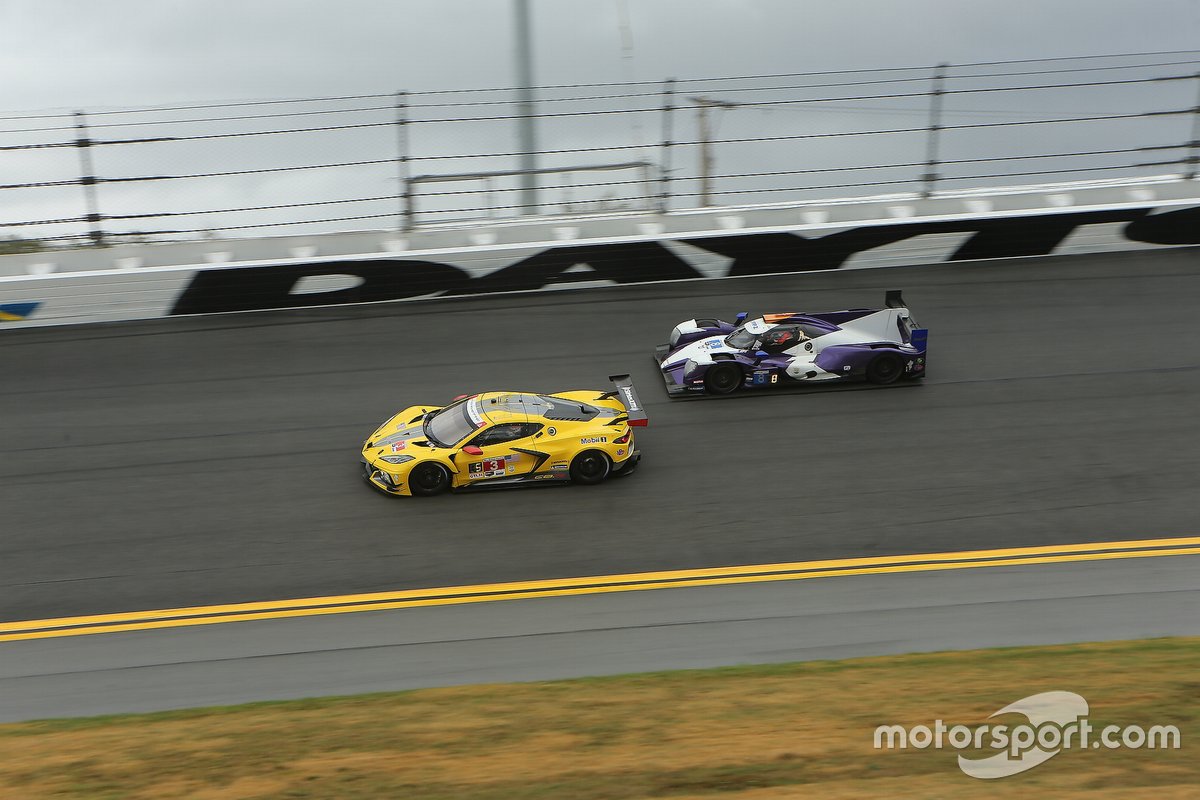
[87, 179]
[647, 184]
[935, 125]
[404, 190]
[703, 106]
[1193, 156]
[526, 119]
[664, 167]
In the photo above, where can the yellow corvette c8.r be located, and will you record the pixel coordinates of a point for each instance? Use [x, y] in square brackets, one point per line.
[502, 439]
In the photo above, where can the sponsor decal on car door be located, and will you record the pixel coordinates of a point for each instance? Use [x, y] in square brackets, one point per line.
[498, 461]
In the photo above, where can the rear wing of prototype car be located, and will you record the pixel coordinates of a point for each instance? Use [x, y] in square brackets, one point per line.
[918, 336]
[629, 397]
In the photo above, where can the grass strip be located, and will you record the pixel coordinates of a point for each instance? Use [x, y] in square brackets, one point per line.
[744, 733]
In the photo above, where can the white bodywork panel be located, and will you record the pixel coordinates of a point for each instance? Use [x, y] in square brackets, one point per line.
[879, 326]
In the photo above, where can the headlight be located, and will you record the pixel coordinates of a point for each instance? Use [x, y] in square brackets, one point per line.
[689, 367]
[674, 337]
[397, 459]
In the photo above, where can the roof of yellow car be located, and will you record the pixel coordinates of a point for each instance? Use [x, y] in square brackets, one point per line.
[500, 407]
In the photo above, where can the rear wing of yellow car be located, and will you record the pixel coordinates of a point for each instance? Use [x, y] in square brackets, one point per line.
[629, 397]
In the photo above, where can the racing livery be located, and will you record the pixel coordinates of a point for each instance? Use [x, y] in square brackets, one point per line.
[878, 345]
[502, 439]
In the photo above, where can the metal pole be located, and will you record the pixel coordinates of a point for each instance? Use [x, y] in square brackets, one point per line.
[1193, 156]
[403, 173]
[625, 32]
[935, 124]
[527, 135]
[648, 185]
[706, 157]
[87, 179]
[705, 153]
[567, 177]
[664, 201]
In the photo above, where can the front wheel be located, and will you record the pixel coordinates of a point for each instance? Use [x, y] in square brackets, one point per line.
[426, 480]
[885, 368]
[724, 378]
[590, 467]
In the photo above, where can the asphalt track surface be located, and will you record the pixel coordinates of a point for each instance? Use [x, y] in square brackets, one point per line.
[210, 460]
[563, 637]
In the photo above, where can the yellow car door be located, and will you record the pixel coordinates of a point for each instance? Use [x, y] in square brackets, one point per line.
[559, 449]
[499, 452]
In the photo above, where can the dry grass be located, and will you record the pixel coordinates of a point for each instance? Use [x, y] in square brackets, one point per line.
[756, 733]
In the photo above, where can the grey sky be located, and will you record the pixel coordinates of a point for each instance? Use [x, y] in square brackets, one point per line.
[62, 55]
[67, 54]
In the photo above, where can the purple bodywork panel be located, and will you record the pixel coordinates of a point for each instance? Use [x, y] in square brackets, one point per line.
[855, 356]
[849, 361]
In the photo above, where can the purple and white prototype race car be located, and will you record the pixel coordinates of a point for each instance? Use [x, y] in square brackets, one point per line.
[877, 345]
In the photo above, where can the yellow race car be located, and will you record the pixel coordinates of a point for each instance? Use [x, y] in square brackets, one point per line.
[501, 439]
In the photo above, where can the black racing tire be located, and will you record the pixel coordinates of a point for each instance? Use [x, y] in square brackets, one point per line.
[885, 368]
[428, 479]
[590, 467]
[723, 378]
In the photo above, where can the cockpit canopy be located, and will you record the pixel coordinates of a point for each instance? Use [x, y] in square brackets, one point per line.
[757, 335]
[540, 405]
[454, 423]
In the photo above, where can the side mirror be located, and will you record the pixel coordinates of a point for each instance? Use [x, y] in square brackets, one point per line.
[741, 317]
[472, 450]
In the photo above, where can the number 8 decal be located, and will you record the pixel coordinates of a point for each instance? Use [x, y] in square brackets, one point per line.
[774, 377]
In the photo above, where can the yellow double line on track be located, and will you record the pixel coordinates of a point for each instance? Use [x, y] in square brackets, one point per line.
[600, 584]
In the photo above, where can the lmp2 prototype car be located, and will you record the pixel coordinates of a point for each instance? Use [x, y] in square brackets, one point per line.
[878, 345]
[502, 439]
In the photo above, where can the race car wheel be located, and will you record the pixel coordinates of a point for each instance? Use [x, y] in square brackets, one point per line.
[723, 378]
[426, 480]
[589, 467]
[885, 368]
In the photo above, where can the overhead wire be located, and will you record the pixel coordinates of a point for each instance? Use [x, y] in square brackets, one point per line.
[547, 87]
[592, 113]
[915, 180]
[811, 187]
[842, 168]
[402, 101]
[577, 99]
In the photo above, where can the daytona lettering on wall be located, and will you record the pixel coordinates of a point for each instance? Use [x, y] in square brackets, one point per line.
[268, 287]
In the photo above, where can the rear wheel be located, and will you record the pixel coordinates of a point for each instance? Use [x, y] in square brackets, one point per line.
[426, 480]
[724, 378]
[589, 467]
[885, 368]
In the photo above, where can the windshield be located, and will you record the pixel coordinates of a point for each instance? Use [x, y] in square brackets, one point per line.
[449, 426]
[741, 338]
